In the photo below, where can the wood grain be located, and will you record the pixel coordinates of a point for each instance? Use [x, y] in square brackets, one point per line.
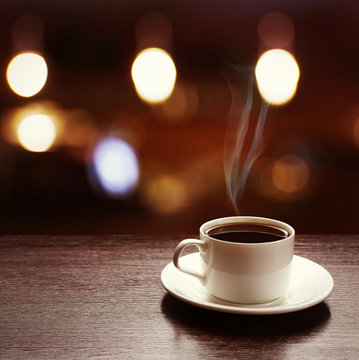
[100, 297]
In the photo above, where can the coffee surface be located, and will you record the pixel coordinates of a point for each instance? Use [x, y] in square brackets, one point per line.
[247, 233]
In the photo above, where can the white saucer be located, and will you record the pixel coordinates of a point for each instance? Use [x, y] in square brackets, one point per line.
[311, 284]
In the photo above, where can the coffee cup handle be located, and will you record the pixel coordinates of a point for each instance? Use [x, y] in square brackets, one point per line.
[202, 247]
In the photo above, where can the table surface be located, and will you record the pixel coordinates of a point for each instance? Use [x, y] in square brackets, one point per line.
[100, 297]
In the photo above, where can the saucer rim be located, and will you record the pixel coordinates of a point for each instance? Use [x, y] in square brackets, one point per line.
[246, 309]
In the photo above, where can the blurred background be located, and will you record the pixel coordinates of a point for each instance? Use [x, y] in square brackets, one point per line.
[115, 115]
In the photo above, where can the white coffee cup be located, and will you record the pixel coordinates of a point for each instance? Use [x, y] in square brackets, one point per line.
[242, 272]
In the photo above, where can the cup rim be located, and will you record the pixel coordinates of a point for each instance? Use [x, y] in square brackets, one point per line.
[249, 220]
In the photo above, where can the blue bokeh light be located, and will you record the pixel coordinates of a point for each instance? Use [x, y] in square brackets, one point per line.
[115, 166]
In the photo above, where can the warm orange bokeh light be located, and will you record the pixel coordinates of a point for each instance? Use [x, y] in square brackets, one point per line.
[153, 29]
[27, 74]
[36, 132]
[276, 30]
[166, 194]
[277, 75]
[154, 75]
[356, 132]
[290, 174]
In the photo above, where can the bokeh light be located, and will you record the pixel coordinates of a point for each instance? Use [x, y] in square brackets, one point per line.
[166, 194]
[13, 117]
[27, 74]
[153, 30]
[182, 105]
[290, 174]
[115, 167]
[356, 132]
[276, 30]
[27, 33]
[277, 75]
[36, 132]
[80, 129]
[154, 75]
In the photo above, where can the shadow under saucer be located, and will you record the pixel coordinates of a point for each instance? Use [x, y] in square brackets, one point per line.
[295, 323]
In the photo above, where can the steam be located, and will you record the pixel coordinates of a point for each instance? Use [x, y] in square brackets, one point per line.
[236, 164]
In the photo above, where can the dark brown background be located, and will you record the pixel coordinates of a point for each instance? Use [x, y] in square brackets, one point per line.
[90, 46]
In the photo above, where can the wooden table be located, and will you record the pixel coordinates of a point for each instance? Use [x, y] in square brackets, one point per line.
[100, 297]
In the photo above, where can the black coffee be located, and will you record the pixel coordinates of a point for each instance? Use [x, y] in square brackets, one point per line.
[247, 233]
